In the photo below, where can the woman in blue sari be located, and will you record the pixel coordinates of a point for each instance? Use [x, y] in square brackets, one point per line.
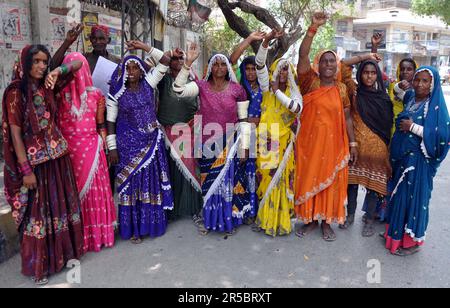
[419, 146]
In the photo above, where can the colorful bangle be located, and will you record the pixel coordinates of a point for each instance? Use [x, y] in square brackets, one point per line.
[312, 30]
[25, 168]
[64, 69]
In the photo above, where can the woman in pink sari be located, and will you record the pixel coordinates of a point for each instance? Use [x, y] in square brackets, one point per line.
[82, 123]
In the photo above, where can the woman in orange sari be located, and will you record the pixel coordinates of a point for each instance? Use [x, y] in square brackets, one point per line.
[323, 150]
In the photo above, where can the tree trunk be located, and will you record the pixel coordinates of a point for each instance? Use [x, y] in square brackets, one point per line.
[236, 23]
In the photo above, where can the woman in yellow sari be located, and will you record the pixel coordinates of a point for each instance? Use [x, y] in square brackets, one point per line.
[278, 129]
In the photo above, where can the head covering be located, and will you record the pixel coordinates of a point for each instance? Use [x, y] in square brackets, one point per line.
[101, 28]
[18, 64]
[223, 58]
[120, 76]
[74, 94]
[16, 195]
[374, 104]
[436, 135]
[254, 109]
[319, 56]
[275, 69]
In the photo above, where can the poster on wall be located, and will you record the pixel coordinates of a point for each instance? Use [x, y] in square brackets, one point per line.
[15, 32]
[115, 29]
[89, 20]
[59, 28]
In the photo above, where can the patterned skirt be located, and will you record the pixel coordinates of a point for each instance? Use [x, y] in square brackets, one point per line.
[51, 231]
[229, 189]
[145, 192]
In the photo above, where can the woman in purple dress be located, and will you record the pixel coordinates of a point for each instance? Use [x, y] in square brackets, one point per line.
[137, 148]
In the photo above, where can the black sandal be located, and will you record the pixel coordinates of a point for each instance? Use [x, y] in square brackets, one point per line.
[348, 222]
[401, 252]
[329, 235]
[368, 230]
[306, 229]
[256, 228]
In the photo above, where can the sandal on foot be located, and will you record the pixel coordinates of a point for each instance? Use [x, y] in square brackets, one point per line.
[306, 229]
[202, 230]
[197, 221]
[136, 241]
[348, 222]
[40, 282]
[368, 230]
[232, 232]
[328, 235]
[249, 221]
[256, 228]
[401, 252]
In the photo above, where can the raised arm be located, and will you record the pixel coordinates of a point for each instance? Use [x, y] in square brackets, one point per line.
[154, 76]
[61, 72]
[376, 41]
[255, 36]
[181, 86]
[361, 58]
[261, 59]
[72, 37]
[304, 65]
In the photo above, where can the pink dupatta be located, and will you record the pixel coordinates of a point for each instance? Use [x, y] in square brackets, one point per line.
[77, 120]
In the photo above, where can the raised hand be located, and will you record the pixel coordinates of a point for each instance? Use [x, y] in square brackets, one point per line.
[178, 53]
[138, 45]
[192, 54]
[74, 33]
[375, 57]
[376, 39]
[319, 19]
[257, 36]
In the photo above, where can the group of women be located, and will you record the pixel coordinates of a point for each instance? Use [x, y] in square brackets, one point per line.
[283, 142]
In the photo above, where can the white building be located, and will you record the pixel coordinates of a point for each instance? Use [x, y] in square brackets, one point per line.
[426, 39]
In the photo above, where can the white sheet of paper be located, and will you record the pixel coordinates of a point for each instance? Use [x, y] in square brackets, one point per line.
[102, 74]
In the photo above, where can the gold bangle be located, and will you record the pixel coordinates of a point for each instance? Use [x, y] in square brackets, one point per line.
[353, 144]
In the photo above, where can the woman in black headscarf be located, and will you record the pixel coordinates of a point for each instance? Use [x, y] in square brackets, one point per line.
[372, 114]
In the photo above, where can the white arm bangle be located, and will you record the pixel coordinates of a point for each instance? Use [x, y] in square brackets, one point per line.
[182, 78]
[184, 89]
[293, 105]
[263, 79]
[243, 110]
[261, 56]
[155, 55]
[399, 92]
[156, 75]
[246, 131]
[417, 129]
[111, 142]
[112, 109]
